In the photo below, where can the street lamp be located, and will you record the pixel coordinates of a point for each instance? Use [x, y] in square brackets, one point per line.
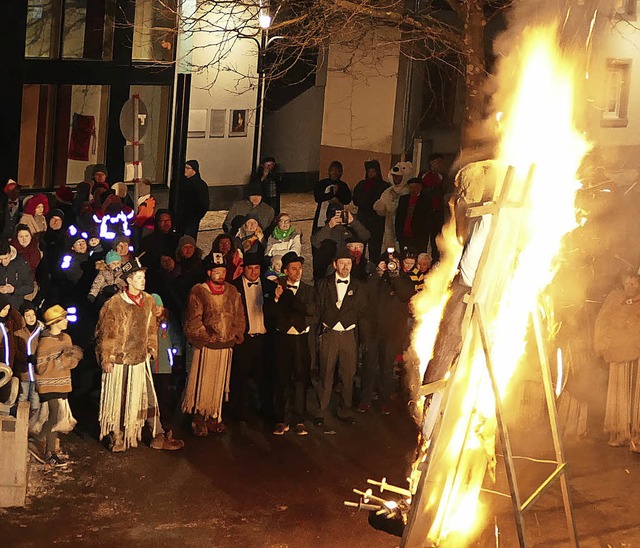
[264, 20]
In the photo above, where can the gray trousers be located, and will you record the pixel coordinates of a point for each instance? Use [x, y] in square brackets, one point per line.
[337, 348]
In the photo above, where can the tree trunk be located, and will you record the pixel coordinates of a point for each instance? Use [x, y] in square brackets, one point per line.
[473, 38]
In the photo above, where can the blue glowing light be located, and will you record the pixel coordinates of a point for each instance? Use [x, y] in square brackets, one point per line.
[66, 262]
[72, 310]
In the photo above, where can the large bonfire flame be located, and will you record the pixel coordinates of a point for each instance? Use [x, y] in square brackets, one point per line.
[540, 142]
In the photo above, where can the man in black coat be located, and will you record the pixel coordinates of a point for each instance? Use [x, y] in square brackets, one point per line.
[342, 302]
[193, 201]
[251, 358]
[413, 218]
[295, 314]
[326, 191]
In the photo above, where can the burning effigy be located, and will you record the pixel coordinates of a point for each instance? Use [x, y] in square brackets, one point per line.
[500, 251]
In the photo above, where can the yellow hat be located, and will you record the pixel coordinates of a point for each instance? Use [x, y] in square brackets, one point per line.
[54, 314]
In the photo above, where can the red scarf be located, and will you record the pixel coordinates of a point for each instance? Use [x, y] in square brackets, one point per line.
[137, 299]
[215, 288]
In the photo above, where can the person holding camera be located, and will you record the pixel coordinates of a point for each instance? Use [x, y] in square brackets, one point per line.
[339, 228]
[342, 302]
[390, 289]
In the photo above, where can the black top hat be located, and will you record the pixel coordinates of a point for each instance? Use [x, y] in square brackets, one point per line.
[291, 257]
[250, 259]
[343, 253]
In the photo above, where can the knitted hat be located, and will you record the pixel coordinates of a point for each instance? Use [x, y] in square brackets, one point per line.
[158, 299]
[194, 165]
[56, 213]
[54, 314]
[64, 194]
[186, 240]
[112, 257]
[100, 168]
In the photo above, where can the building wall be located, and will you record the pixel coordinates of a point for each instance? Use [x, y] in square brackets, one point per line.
[360, 105]
[619, 147]
[222, 81]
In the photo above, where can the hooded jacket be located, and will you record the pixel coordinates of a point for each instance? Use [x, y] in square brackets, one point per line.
[193, 196]
[18, 274]
[366, 193]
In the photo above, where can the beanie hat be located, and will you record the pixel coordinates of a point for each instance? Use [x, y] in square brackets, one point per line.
[186, 240]
[112, 256]
[56, 213]
[158, 299]
[194, 165]
[100, 168]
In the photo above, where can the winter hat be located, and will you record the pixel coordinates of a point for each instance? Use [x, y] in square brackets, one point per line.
[254, 189]
[33, 202]
[64, 194]
[185, 240]
[56, 213]
[27, 305]
[112, 257]
[100, 168]
[120, 239]
[76, 237]
[54, 314]
[11, 185]
[158, 299]
[194, 165]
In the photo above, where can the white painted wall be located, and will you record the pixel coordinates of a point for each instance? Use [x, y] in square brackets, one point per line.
[223, 81]
[360, 95]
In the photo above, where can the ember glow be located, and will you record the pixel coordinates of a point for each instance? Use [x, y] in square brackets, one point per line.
[540, 142]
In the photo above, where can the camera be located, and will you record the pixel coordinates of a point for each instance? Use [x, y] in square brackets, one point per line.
[392, 262]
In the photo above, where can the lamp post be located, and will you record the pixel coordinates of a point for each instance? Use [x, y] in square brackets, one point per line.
[264, 20]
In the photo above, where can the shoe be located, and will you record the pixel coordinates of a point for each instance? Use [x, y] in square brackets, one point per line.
[385, 410]
[348, 419]
[363, 408]
[301, 430]
[53, 459]
[166, 442]
[216, 427]
[318, 421]
[199, 428]
[117, 443]
[280, 429]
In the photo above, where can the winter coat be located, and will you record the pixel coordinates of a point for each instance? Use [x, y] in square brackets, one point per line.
[386, 207]
[126, 333]
[106, 277]
[364, 197]
[18, 274]
[420, 220]
[214, 321]
[193, 199]
[55, 358]
[263, 211]
[616, 329]
[31, 253]
[21, 366]
[280, 247]
[323, 194]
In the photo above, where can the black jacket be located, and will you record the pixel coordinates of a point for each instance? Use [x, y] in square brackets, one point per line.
[268, 306]
[419, 221]
[18, 274]
[193, 199]
[365, 199]
[354, 304]
[299, 310]
[343, 195]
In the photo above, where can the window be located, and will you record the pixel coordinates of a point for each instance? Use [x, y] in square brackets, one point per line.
[616, 100]
[154, 31]
[71, 29]
[63, 131]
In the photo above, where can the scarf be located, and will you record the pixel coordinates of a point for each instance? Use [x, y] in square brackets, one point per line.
[280, 234]
[215, 288]
[137, 299]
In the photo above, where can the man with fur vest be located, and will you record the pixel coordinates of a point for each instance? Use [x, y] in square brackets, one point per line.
[214, 323]
[127, 340]
[616, 340]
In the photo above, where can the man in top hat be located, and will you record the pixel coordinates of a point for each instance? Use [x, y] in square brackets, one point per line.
[342, 302]
[214, 324]
[251, 204]
[251, 355]
[127, 339]
[296, 312]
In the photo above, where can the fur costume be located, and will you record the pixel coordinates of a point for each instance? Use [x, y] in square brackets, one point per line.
[387, 204]
[126, 336]
[616, 340]
[213, 324]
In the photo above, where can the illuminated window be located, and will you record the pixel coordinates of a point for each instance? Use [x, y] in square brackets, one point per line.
[616, 100]
[154, 31]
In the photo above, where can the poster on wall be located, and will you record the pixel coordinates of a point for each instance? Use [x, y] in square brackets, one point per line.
[218, 122]
[238, 123]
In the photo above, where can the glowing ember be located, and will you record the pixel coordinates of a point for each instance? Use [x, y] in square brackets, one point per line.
[540, 142]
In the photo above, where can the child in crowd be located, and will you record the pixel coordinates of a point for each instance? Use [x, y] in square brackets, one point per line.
[274, 272]
[27, 343]
[109, 280]
[420, 270]
[56, 356]
[163, 366]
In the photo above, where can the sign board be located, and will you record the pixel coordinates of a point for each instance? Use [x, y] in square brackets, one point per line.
[127, 125]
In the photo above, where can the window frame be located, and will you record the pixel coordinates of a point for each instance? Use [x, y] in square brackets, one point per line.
[620, 119]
